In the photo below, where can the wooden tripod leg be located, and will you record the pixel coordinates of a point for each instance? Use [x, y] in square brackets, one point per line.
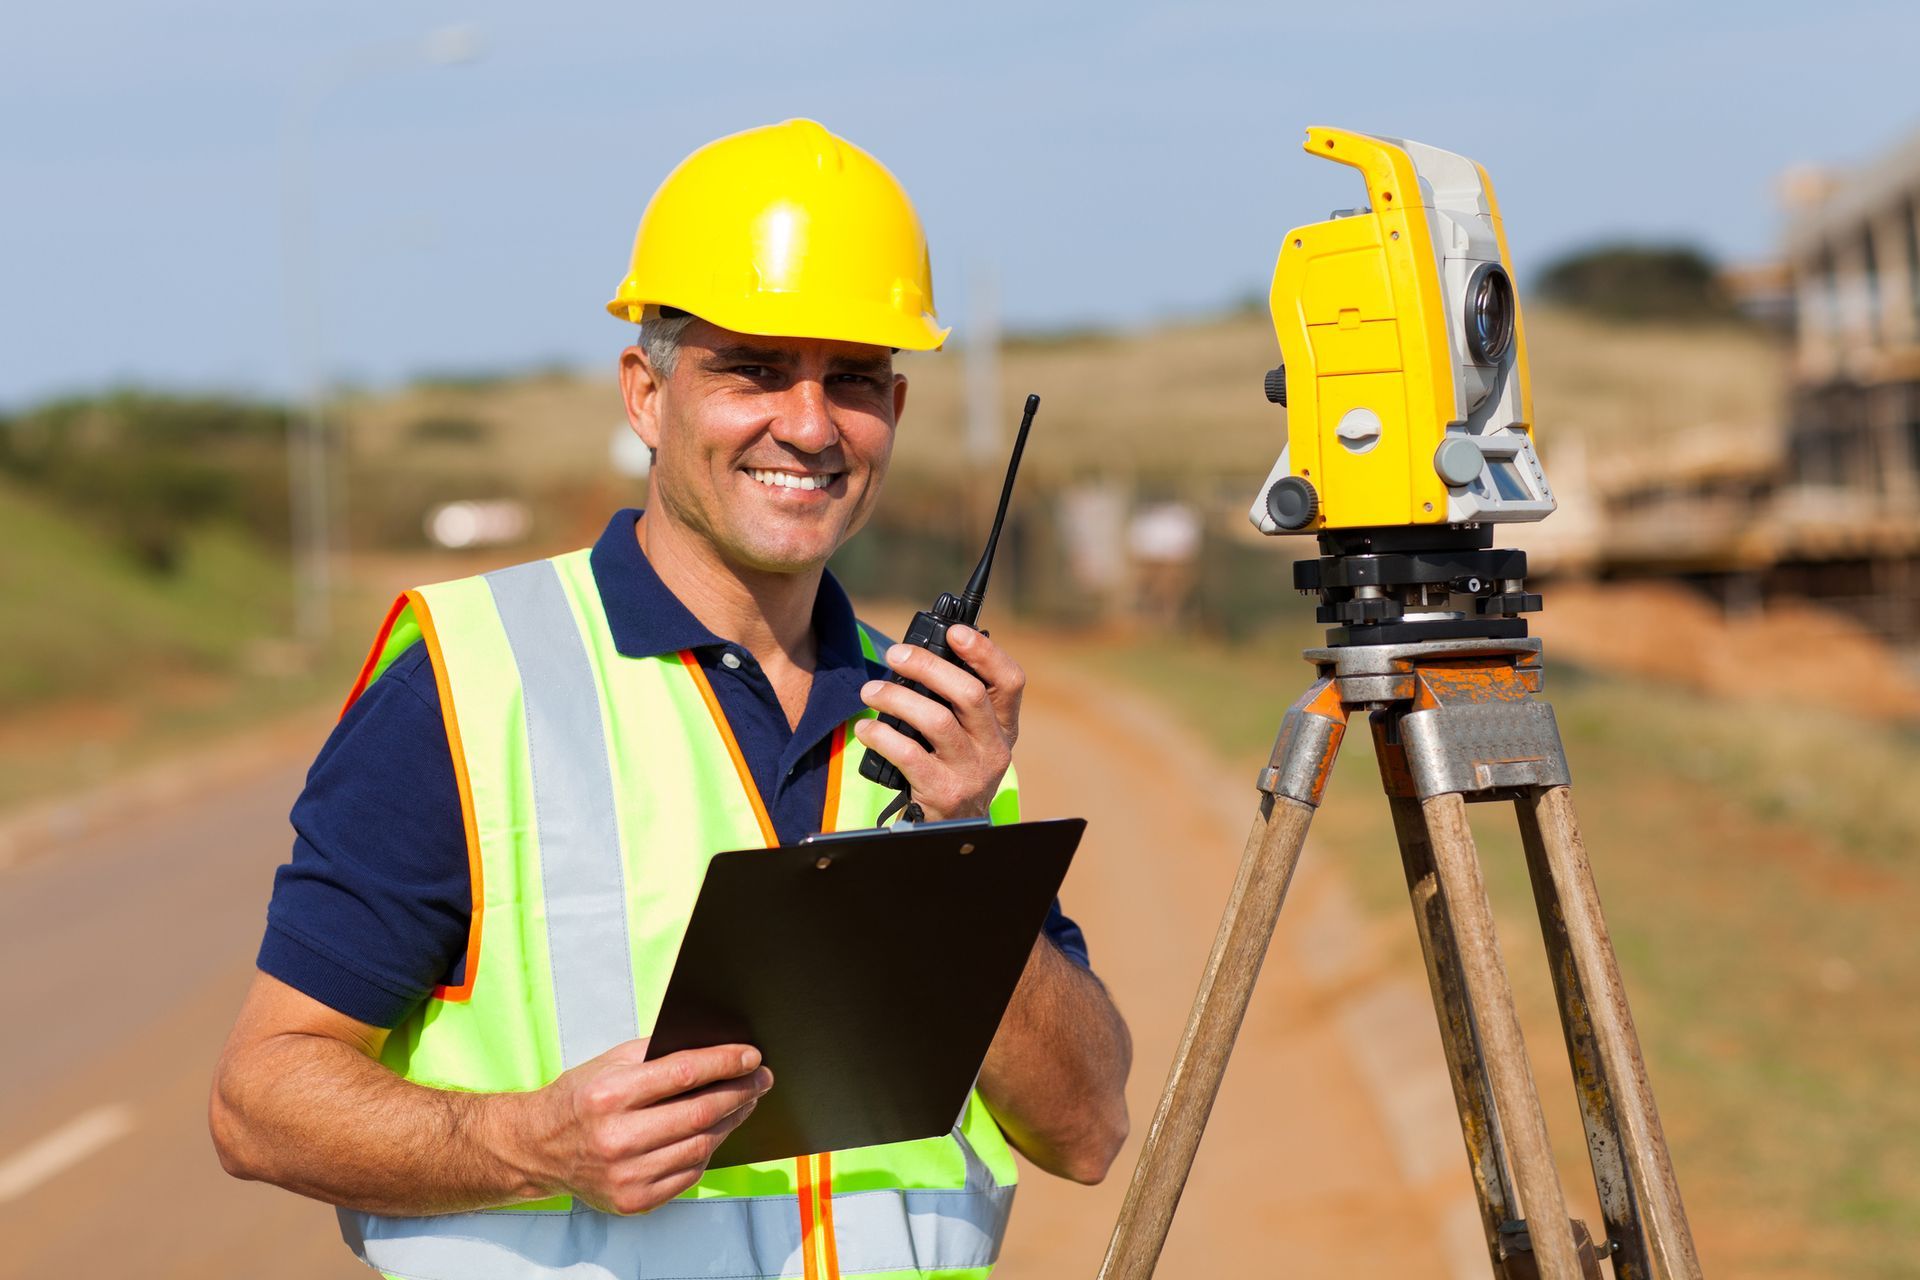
[1291, 785]
[1273, 850]
[1631, 1166]
[1465, 1068]
[1516, 1102]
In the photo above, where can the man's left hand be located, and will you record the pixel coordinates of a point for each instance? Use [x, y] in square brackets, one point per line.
[971, 737]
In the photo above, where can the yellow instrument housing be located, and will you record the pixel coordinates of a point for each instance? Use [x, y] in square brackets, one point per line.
[1372, 333]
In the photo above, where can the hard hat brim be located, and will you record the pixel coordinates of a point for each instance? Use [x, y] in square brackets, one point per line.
[776, 315]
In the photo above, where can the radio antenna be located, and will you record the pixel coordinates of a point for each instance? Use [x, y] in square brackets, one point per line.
[975, 591]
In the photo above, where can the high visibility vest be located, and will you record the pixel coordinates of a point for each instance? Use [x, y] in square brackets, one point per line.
[589, 831]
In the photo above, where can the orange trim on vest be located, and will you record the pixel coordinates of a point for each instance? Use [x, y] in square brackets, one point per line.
[822, 1254]
[819, 1255]
[836, 759]
[476, 876]
[809, 1255]
[692, 664]
[823, 1221]
[373, 654]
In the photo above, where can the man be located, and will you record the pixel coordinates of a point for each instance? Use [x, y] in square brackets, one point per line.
[501, 842]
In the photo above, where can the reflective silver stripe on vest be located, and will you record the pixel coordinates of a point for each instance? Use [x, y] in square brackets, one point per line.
[580, 863]
[743, 1238]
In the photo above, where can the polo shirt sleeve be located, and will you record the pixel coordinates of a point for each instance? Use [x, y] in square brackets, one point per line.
[371, 912]
[1065, 934]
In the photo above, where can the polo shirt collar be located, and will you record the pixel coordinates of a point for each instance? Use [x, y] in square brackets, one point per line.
[648, 620]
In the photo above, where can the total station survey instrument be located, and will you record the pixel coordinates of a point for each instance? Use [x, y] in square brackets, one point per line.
[1410, 442]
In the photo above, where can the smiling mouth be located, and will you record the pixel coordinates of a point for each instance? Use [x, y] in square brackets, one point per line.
[791, 480]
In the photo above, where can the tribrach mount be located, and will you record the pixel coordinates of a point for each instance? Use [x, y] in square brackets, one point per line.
[1402, 585]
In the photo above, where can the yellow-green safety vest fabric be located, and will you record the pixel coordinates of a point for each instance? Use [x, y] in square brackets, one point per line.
[589, 835]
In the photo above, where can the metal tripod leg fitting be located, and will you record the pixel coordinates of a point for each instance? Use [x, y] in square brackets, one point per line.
[1307, 745]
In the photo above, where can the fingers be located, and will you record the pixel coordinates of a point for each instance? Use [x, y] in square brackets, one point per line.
[1005, 679]
[937, 722]
[905, 754]
[995, 667]
[663, 1158]
[993, 686]
[693, 1069]
[969, 722]
[951, 784]
[665, 1125]
[625, 1081]
[964, 693]
[636, 1158]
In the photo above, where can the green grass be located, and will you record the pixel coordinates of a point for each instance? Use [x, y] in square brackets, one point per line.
[1757, 867]
[108, 663]
[84, 617]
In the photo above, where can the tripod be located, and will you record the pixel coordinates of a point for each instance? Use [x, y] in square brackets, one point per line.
[1454, 721]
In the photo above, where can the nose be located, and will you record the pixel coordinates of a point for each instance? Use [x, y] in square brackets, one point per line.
[805, 420]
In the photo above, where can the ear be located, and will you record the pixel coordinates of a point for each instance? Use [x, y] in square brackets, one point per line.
[899, 396]
[640, 388]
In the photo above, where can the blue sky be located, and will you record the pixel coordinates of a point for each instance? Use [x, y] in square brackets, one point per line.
[1110, 163]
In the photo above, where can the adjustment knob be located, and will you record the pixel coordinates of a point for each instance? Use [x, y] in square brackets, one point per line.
[1292, 502]
[1277, 384]
[1458, 461]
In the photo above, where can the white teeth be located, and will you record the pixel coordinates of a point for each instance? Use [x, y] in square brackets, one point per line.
[787, 480]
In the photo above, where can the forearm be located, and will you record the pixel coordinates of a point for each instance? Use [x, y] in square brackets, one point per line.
[1056, 1075]
[320, 1117]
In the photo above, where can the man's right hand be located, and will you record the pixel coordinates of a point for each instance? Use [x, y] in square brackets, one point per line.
[302, 1100]
[627, 1135]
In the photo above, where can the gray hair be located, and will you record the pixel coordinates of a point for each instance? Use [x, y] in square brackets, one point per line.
[660, 338]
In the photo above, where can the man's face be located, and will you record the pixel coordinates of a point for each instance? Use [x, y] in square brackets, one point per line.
[770, 449]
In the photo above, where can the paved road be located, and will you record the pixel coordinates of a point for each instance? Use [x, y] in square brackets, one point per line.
[123, 957]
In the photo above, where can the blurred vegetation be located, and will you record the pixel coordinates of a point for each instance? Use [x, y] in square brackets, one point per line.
[153, 472]
[110, 662]
[87, 615]
[148, 537]
[449, 429]
[1638, 282]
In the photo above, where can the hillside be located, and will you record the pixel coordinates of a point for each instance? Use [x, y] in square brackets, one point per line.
[1183, 401]
[84, 615]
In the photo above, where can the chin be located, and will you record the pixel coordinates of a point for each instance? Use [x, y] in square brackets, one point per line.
[797, 556]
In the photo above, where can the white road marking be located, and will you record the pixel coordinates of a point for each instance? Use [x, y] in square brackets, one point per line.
[64, 1148]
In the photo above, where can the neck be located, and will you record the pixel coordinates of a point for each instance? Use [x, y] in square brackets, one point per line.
[770, 614]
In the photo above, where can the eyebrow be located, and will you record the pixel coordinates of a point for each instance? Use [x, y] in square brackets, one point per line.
[752, 355]
[862, 364]
[745, 354]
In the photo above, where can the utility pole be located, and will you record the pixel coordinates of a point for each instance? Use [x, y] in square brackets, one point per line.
[310, 494]
[981, 445]
[983, 367]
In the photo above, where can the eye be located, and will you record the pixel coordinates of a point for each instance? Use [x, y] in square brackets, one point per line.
[755, 371]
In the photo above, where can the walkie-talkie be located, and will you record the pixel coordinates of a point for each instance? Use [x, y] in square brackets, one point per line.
[929, 631]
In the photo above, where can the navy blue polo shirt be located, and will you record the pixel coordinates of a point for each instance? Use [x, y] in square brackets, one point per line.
[372, 911]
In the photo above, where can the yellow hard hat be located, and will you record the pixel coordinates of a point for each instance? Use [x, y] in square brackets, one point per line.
[787, 231]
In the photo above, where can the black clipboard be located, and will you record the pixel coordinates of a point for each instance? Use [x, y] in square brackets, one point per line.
[870, 969]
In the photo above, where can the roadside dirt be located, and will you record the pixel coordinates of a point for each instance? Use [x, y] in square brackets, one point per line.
[1791, 652]
[1333, 1149]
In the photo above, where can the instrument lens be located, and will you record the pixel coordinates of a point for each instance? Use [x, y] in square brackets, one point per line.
[1490, 316]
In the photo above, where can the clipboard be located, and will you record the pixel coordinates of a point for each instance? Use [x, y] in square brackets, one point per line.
[870, 969]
